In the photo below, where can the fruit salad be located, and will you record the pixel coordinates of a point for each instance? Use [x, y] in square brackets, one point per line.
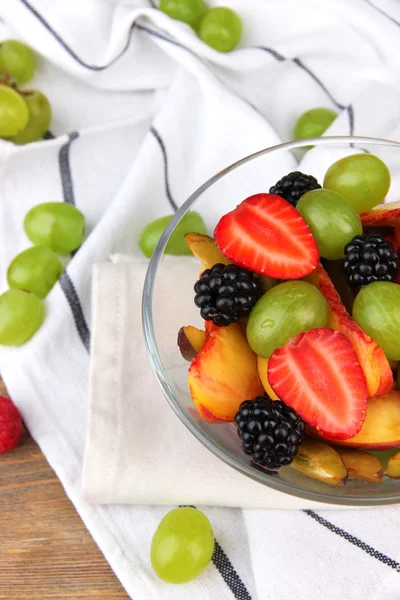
[299, 292]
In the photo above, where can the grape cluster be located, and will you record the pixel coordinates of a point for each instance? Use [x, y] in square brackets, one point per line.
[220, 27]
[25, 114]
[54, 228]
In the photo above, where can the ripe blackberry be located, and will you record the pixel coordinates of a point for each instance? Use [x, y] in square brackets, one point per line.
[369, 258]
[225, 293]
[293, 186]
[270, 431]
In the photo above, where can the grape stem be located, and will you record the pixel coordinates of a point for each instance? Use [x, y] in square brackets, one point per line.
[6, 80]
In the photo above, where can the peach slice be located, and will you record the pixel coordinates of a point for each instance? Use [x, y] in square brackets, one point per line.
[262, 365]
[320, 461]
[382, 216]
[223, 374]
[361, 465]
[381, 428]
[371, 357]
[335, 271]
[205, 249]
[190, 341]
[393, 468]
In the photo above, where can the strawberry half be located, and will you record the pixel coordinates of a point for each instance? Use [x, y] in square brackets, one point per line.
[318, 375]
[266, 235]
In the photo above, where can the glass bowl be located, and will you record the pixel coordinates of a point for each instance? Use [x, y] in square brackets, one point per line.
[220, 194]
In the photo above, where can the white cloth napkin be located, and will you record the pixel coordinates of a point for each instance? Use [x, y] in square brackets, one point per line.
[137, 451]
[144, 112]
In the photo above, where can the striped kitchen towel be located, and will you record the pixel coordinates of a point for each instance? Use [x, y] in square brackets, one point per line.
[144, 112]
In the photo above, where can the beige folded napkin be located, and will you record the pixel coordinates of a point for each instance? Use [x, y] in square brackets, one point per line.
[137, 449]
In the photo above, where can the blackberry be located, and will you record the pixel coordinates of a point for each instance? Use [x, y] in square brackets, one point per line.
[293, 186]
[270, 431]
[369, 258]
[225, 293]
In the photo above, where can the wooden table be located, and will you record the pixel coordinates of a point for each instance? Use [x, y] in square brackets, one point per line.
[46, 552]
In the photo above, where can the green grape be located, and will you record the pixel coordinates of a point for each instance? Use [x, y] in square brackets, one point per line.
[362, 179]
[191, 221]
[221, 29]
[21, 315]
[313, 123]
[39, 111]
[17, 60]
[377, 311]
[331, 219]
[283, 312]
[188, 11]
[182, 545]
[13, 112]
[34, 270]
[56, 225]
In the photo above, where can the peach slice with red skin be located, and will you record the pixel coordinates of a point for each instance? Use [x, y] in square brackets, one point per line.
[361, 465]
[383, 215]
[381, 428]
[371, 357]
[190, 341]
[223, 374]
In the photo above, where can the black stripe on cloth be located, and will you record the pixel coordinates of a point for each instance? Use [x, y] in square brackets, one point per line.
[160, 36]
[49, 136]
[350, 112]
[72, 53]
[153, 4]
[226, 570]
[385, 14]
[66, 283]
[299, 63]
[72, 297]
[228, 574]
[68, 48]
[165, 157]
[175, 43]
[65, 169]
[273, 53]
[390, 562]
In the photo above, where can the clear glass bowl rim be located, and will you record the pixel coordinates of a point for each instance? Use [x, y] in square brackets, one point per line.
[156, 363]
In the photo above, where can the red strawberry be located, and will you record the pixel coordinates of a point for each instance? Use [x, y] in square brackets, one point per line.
[10, 425]
[318, 375]
[266, 235]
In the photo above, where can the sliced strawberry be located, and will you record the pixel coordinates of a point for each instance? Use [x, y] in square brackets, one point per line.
[318, 375]
[266, 235]
[371, 357]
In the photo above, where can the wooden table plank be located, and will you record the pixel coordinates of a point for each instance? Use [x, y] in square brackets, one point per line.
[46, 552]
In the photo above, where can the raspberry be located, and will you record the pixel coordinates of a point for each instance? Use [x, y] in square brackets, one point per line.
[10, 425]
